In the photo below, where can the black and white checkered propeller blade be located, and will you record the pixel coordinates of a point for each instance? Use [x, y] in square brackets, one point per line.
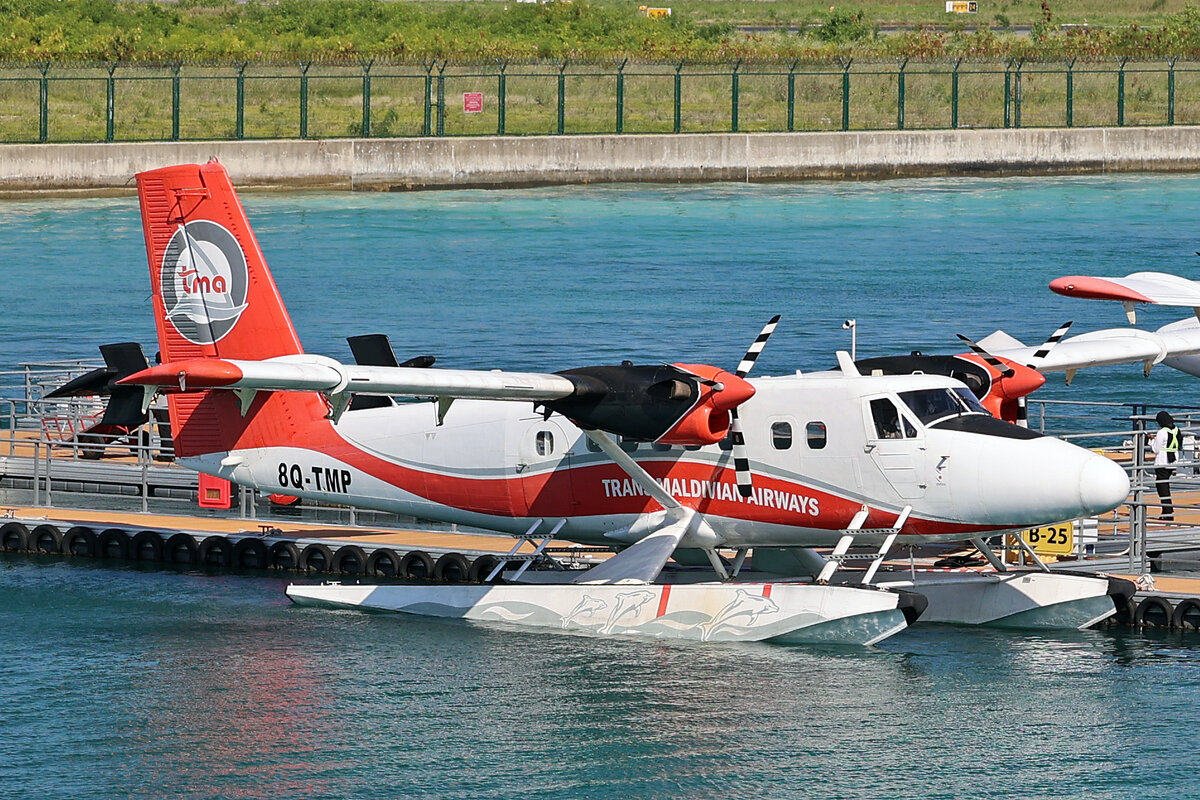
[1049, 344]
[741, 459]
[1005, 371]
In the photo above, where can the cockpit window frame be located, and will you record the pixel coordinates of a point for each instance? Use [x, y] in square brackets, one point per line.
[911, 398]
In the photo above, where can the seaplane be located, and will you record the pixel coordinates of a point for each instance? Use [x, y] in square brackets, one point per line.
[657, 462]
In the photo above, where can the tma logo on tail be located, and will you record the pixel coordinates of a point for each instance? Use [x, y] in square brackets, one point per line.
[204, 281]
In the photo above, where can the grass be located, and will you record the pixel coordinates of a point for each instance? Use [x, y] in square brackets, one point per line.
[411, 31]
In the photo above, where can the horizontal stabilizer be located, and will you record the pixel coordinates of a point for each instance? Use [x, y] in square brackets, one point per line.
[998, 341]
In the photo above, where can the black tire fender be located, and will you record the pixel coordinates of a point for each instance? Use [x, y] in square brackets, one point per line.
[146, 546]
[250, 553]
[46, 539]
[482, 567]
[1153, 612]
[215, 551]
[383, 563]
[180, 549]
[1187, 615]
[452, 568]
[350, 559]
[316, 557]
[113, 543]
[416, 565]
[79, 541]
[14, 537]
[283, 556]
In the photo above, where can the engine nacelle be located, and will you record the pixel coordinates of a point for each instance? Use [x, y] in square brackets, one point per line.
[685, 404]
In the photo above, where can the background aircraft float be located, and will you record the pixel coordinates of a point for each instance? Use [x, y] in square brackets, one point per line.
[652, 458]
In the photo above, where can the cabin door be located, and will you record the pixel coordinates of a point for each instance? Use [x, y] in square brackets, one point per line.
[897, 446]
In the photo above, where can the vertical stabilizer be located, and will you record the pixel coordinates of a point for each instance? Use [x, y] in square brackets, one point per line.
[214, 297]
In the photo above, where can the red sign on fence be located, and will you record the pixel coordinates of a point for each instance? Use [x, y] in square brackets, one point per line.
[472, 102]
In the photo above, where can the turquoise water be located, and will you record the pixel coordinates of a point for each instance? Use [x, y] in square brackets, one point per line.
[561, 277]
[124, 683]
[148, 684]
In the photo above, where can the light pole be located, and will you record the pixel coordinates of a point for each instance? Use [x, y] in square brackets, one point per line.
[852, 326]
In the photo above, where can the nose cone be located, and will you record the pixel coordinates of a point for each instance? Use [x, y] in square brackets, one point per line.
[1102, 486]
[737, 391]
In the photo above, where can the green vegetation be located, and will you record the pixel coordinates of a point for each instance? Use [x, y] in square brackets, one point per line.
[347, 31]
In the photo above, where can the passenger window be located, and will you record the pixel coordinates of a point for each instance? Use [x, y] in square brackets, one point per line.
[592, 446]
[781, 435]
[628, 446]
[726, 444]
[817, 435]
[660, 447]
[887, 419]
[691, 448]
[544, 443]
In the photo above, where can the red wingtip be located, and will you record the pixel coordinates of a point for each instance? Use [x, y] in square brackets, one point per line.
[1090, 288]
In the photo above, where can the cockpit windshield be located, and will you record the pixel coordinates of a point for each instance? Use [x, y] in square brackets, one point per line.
[931, 405]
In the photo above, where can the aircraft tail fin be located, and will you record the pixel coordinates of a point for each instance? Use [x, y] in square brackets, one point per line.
[214, 297]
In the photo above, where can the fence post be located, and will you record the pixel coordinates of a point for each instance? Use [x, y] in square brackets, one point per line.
[678, 96]
[44, 102]
[1017, 96]
[1171, 89]
[175, 67]
[900, 94]
[110, 101]
[441, 99]
[1071, 92]
[501, 96]
[562, 95]
[239, 130]
[304, 65]
[621, 96]
[1008, 94]
[954, 95]
[845, 62]
[366, 96]
[733, 96]
[1121, 90]
[1137, 511]
[427, 128]
[791, 96]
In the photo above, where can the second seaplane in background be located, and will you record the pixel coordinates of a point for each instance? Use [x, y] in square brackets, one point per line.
[653, 461]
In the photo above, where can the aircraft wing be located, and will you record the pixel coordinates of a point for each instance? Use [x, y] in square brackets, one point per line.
[1158, 288]
[311, 373]
[1110, 346]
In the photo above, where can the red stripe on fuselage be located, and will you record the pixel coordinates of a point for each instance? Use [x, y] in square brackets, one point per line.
[581, 491]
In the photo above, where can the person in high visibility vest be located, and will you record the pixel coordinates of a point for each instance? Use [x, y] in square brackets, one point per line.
[1166, 446]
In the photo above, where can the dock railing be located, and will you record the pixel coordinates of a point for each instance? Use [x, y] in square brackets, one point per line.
[1136, 533]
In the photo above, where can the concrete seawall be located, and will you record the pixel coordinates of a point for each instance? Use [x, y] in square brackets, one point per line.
[397, 164]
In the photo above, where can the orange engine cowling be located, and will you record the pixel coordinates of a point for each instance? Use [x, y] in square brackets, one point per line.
[1003, 395]
[708, 420]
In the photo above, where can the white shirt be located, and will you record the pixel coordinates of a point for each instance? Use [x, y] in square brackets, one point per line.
[1159, 446]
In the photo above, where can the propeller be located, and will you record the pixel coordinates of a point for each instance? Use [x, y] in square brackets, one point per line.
[1023, 386]
[741, 459]
[1004, 370]
[1049, 344]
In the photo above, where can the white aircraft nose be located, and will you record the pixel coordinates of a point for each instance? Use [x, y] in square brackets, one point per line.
[1103, 485]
